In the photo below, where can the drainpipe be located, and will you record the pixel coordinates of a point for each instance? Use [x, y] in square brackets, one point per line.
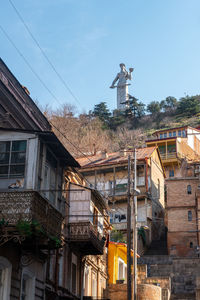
[197, 220]
[146, 173]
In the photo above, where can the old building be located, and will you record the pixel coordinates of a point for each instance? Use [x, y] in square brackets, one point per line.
[108, 173]
[176, 144]
[180, 153]
[183, 211]
[45, 251]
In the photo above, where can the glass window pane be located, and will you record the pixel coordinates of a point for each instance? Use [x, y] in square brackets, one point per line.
[18, 157]
[3, 171]
[174, 133]
[17, 170]
[170, 134]
[165, 134]
[179, 133]
[19, 146]
[4, 147]
[4, 158]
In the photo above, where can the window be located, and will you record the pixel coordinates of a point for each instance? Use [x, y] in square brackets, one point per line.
[27, 285]
[189, 215]
[165, 134]
[170, 134]
[171, 173]
[5, 278]
[183, 133]
[189, 189]
[121, 269]
[174, 133]
[12, 159]
[191, 244]
[179, 133]
[161, 135]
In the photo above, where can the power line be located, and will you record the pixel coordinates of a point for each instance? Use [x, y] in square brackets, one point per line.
[28, 64]
[44, 54]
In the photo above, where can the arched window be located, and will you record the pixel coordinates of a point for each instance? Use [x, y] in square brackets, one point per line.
[189, 189]
[27, 285]
[5, 278]
[189, 215]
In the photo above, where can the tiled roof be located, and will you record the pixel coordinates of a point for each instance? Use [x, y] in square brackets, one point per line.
[114, 158]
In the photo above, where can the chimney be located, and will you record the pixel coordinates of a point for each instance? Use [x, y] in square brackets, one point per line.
[124, 152]
[104, 154]
[94, 149]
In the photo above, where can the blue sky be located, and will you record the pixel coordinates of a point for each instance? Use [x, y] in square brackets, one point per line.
[87, 39]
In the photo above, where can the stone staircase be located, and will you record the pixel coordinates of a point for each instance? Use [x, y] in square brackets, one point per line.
[182, 271]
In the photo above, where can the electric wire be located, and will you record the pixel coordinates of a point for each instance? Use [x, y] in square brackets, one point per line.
[44, 54]
[28, 64]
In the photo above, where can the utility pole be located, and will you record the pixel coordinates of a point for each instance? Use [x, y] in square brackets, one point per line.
[135, 229]
[129, 290]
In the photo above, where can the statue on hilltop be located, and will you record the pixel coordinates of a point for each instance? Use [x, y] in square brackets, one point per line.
[122, 86]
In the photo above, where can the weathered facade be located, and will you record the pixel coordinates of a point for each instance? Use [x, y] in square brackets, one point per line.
[180, 153]
[108, 173]
[44, 252]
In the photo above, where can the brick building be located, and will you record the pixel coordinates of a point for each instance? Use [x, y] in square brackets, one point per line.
[180, 153]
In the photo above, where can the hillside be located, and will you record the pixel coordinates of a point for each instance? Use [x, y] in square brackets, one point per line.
[101, 129]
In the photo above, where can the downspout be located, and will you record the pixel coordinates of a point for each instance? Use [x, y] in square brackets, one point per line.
[197, 226]
[146, 173]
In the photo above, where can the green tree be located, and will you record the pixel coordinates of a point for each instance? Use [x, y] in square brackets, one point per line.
[153, 107]
[102, 112]
[136, 109]
[169, 104]
[189, 106]
[117, 119]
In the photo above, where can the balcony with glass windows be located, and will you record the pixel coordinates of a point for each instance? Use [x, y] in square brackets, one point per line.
[86, 221]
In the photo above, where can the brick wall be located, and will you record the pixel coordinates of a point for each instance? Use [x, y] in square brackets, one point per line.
[144, 292]
[182, 237]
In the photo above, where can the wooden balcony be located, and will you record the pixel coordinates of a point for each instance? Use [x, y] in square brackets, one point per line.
[28, 207]
[168, 156]
[84, 237]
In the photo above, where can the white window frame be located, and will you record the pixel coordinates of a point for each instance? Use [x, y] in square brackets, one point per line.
[6, 268]
[124, 268]
[30, 277]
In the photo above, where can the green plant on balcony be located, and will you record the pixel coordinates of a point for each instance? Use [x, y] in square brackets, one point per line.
[54, 241]
[141, 234]
[3, 222]
[24, 228]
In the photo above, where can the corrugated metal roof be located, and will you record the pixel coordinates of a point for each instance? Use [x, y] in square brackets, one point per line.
[114, 158]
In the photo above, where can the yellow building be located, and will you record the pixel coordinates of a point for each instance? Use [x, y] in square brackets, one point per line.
[117, 262]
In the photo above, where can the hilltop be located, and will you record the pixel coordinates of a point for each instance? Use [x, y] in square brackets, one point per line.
[102, 129]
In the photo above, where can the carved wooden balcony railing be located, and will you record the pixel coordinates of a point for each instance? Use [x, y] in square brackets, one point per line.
[29, 206]
[85, 237]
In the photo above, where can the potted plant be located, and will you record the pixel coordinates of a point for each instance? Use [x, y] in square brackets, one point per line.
[120, 281]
